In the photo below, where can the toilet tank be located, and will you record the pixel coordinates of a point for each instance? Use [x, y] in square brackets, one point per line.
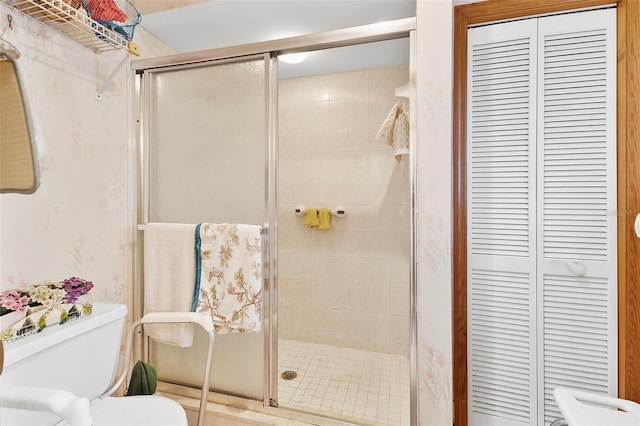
[80, 356]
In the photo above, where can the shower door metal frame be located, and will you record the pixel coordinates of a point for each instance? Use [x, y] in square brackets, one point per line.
[143, 89]
[269, 50]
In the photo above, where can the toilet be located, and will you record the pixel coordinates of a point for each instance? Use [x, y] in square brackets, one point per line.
[581, 408]
[80, 357]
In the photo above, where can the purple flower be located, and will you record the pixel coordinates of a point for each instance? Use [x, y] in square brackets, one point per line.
[75, 287]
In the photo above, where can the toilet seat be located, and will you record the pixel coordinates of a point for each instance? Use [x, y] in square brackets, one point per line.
[42, 405]
[142, 410]
[583, 409]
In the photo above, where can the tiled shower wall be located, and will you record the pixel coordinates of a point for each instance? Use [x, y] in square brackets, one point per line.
[349, 285]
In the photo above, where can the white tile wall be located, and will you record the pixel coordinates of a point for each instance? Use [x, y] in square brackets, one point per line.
[347, 286]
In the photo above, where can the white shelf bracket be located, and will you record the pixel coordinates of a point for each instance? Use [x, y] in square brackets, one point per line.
[108, 83]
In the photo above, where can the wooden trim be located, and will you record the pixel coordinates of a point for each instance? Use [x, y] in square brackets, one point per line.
[459, 297]
[628, 199]
[498, 10]
[628, 181]
[621, 130]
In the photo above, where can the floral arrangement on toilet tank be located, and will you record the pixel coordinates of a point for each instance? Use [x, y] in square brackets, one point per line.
[32, 309]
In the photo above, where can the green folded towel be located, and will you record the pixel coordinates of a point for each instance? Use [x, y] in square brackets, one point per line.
[143, 379]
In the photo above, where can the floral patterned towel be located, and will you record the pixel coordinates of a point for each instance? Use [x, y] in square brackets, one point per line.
[395, 130]
[229, 276]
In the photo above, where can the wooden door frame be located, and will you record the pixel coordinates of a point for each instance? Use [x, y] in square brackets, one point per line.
[628, 171]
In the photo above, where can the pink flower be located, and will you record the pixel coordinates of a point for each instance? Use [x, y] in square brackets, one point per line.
[14, 300]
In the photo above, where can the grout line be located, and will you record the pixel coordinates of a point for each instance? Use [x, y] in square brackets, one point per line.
[342, 382]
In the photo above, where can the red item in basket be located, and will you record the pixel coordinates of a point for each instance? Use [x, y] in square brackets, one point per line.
[106, 10]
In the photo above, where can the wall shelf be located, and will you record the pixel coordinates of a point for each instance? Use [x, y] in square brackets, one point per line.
[73, 23]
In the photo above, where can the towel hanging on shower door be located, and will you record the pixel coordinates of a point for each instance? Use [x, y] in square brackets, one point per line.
[395, 129]
[229, 276]
[169, 272]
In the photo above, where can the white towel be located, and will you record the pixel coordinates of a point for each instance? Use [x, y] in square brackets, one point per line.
[230, 279]
[395, 130]
[169, 277]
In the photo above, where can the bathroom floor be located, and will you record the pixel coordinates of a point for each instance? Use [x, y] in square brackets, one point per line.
[351, 384]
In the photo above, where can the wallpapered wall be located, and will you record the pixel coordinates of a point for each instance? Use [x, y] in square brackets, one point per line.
[78, 222]
[433, 85]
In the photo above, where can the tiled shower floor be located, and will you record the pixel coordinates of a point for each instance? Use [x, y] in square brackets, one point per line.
[356, 385]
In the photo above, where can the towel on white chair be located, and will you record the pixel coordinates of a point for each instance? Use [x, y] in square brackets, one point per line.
[169, 275]
[229, 285]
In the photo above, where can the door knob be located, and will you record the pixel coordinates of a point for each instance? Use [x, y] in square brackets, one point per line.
[577, 268]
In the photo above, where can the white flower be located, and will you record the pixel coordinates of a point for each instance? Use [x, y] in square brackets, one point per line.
[48, 294]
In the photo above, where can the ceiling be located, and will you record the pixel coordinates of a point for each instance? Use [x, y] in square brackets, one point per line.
[190, 25]
[146, 7]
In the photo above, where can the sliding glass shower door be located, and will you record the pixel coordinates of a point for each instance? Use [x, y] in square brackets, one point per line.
[251, 140]
[206, 147]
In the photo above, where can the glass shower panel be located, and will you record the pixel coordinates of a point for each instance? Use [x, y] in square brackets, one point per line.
[207, 156]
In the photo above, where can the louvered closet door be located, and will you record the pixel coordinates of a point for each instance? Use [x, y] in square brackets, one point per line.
[541, 215]
[576, 205]
[501, 272]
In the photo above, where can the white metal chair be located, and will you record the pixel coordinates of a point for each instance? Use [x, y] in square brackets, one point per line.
[147, 410]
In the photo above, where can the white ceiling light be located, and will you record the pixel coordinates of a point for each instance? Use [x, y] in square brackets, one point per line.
[293, 58]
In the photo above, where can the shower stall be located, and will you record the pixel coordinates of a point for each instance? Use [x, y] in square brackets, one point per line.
[238, 135]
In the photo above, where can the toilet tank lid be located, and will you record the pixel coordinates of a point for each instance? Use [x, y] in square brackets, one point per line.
[102, 313]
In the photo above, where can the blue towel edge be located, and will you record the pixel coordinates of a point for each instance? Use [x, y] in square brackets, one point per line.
[196, 287]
